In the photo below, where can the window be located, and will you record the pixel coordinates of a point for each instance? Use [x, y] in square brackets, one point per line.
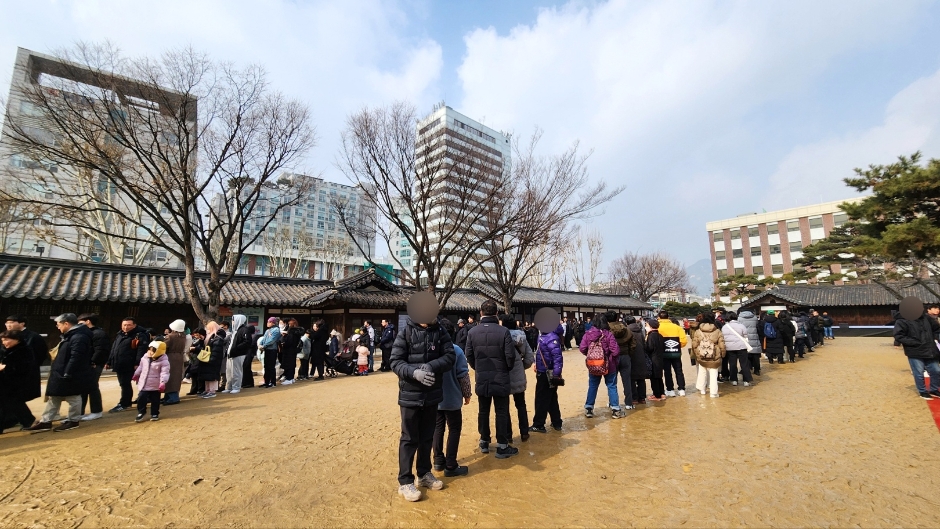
[758, 270]
[839, 219]
[720, 256]
[775, 249]
[735, 234]
[718, 236]
[772, 228]
[815, 222]
[796, 246]
[753, 232]
[793, 225]
[722, 273]
[777, 269]
[755, 252]
[737, 253]
[738, 271]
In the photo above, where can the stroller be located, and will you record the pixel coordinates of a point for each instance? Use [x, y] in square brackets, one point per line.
[330, 363]
[345, 361]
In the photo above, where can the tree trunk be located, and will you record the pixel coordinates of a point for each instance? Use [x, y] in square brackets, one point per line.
[189, 283]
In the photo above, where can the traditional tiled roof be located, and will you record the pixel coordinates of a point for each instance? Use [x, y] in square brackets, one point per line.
[32, 278]
[870, 295]
[57, 279]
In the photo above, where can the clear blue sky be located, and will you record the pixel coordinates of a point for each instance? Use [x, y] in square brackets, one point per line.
[704, 110]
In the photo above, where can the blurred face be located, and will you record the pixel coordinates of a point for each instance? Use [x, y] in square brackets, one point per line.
[63, 326]
[15, 326]
[128, 326]
[270, 324]
[9, 343]
[933, 311]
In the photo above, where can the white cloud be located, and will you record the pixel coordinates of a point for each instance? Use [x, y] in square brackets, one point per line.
[336, 56]
[911, 123]
[680, 100]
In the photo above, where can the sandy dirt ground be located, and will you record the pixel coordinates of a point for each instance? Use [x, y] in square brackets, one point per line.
[839, 439]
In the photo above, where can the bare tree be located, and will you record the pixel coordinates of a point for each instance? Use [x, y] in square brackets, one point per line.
[643, 275]
[334, 254]
[435, 192]
[167, 134]
[537, 214]
[586, 264]
[288, 252]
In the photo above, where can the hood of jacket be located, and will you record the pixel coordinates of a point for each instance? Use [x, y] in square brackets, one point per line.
[621, 333]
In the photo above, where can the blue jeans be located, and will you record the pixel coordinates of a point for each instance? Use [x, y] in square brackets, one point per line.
[828, 332]
[594, 381]
[918, 365]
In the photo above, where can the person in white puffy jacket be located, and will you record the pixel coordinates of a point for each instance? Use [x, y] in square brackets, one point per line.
[736, 345]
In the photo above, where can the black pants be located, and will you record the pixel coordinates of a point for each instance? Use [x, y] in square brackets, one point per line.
[656, 381]
[452, 421]
[153, 397]
[127, 390]
[670, 365]
[546, 402]
[503, 425]
[788, 345]
[270, 367]
[775, 355]
[639, 389]
[386, 359]
[316, 363]
[248, 380]
[289, 365]
[304, 368]
[522, 414]
[801, 346]
[15, 409]
[754, 360]
[624, 367]
[817, 336]
[725, 368]
[95, 395]
[417, 437]
[739, 357]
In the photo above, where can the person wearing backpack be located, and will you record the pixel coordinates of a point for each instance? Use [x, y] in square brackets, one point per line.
[771, 337]
[602, 357]
[708, 346]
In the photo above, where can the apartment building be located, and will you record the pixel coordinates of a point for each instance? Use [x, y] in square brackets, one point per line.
[766, 244]
[467, 143]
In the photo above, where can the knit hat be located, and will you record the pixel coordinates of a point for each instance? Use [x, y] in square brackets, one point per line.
[272, 319]
[178, 326]
[159, 349]
[770, 313]
[653, 322]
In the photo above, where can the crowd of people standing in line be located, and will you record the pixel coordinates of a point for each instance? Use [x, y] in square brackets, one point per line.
[213, 359]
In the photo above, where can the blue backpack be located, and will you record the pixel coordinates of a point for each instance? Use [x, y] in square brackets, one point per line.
[770, 332]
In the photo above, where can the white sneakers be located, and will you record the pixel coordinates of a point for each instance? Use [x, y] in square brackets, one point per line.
[234, 391]
[734, 382]
[287, 382]
[226, 391]
[747, 384]
[715, 396]
[670, 393]
[681, 392]
[409, 492]
[91, 416]
[429, 481]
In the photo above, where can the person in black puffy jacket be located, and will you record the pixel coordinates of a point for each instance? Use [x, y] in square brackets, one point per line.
[421, 354]
[101, 351]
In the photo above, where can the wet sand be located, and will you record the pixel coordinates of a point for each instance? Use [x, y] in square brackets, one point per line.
[839, 439]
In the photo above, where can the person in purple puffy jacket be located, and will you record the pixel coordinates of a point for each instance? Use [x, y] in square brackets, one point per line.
[548, 364]
[600, 333]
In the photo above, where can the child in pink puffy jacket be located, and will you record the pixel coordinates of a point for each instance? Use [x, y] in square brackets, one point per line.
[151, 377]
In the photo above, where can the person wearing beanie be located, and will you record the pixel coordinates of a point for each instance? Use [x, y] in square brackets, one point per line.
[151, 377]
[177, 345]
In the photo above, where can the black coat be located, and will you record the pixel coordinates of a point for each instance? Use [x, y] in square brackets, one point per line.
[71, 372]
[244, 344]
[125, 353]
[787, 332]
[917, 337]
[101, 346]
[461, 338]
[774, 346]
[655, 348]
[318, 342]
[19, 380]
[638, 355]
[38, 346]
[414, 346]
[290, 343]
[211, 370]
[491, 353]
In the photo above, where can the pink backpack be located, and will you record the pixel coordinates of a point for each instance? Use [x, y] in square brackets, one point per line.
[596, 359]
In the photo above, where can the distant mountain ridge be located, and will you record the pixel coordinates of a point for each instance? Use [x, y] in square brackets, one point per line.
[700, 277]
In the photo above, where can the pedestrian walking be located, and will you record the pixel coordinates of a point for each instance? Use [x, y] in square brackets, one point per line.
[128, 347]
[177, 345]
[36, 343]
[386, 340]
[421, 355]
[917, 332]
[602, 357]
[151, 376]
[19, 380]
[455, 385]
[491, 353]
[101, 350]
[70, 375]
[708, 346]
